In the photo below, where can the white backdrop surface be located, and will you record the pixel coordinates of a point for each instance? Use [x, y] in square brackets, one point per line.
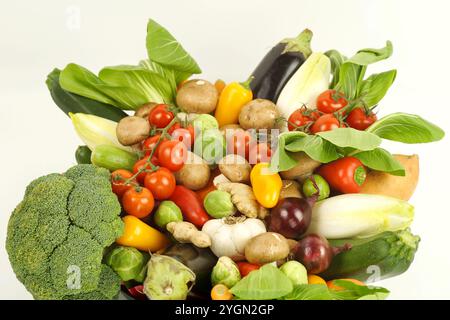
[227, 38]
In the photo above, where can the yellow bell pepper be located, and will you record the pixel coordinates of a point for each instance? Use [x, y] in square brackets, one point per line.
[266, 185]
[232, 98]
[141, 236]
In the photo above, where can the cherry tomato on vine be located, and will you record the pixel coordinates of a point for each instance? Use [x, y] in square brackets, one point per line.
[118, 179]
[138, 202]
[260, 152]
[246, 267]
[330, 101]
[160, 116]
[239, 143]
[161, 183]
[325, 122]
[183, 135]
[345, 175]
[172, 155]
[144, 165]
[360, 119]
[174, 127]
[298, 119]
[149, 144]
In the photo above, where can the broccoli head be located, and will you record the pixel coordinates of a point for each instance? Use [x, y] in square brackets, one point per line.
[58, 233]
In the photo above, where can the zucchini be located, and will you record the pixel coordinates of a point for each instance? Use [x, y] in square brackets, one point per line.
[70, 102]
[113, 158]
[391, 252]
[83, 155]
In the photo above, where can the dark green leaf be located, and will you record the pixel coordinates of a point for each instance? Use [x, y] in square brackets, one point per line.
[266, 283]
[349, 137]
[374, 88]
[164, 49]
[281, 159]
[381, 160]
[349, 76]
[315, 147]
[309, 292]
[406, 128]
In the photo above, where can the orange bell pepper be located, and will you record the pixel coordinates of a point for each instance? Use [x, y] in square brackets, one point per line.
[141, 236]
[266, 185]
[232, 98]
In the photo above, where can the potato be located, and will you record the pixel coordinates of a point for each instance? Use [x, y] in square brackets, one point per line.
[394, 186]
[303, 169]
[197, 96]
[290, 189]
[131, 130]
[145, 110]
[266, 247]
[230, 128]
[259, 114]
[235, 168]
[194, 174]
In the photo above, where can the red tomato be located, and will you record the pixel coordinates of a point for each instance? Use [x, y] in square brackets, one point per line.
[246, 267]
[298, 118]
[143, 165]
[161, 183]
[160, 116]
[260, 152]
[183, 135]
[345, 175]
[138, 202]
[360, 119]
[118, 179]
[175, 126]
[149, 144]
[325, 122]
[239, 143]
[172, 155]
[330, 101]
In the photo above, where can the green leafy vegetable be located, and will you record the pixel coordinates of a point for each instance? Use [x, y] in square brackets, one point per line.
[315, 147]
[406, 128]
[266, 283]
[164, 49]
[337, 59]
[375, 87]
[309, 292]
[281, 159]
[381, 160]
[349, 137]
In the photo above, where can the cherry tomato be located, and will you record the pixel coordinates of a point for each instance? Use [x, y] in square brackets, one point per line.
[174, 127]
[161, 183]
[118, 179]
[183, 135]
[344, 175]
[260, 152]
[172, 155]
[138, 202]
[360, 119]
[330, 101]
[298, 119]
[160, 116]
[143, 164]
[246, 267]
[325, 122]
[239, 143]
[149, 144]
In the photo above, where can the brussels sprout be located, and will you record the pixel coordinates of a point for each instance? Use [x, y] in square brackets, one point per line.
[210, 145]
[167, 212]
[205, 122]
[167, 279]
[127, 262]
[218, 204]
[310, 189]
[295, 271]
[225, 272]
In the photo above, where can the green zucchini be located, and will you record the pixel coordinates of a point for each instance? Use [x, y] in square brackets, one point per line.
[382, 256]
[70, 102]
[83, 155]
[113, 158]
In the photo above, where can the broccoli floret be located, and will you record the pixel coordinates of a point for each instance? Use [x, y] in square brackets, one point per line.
[58, 234]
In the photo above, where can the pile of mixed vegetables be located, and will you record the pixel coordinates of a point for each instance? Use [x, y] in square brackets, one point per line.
[273, 188]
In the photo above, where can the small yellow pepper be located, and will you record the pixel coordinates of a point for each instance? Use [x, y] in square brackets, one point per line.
[141, 236]
[266, 185]
[232, 98]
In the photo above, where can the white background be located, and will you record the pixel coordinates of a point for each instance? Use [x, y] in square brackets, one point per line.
[227, 38]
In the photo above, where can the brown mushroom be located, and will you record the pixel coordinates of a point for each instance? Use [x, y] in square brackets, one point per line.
[131, 130]
[197, 96]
